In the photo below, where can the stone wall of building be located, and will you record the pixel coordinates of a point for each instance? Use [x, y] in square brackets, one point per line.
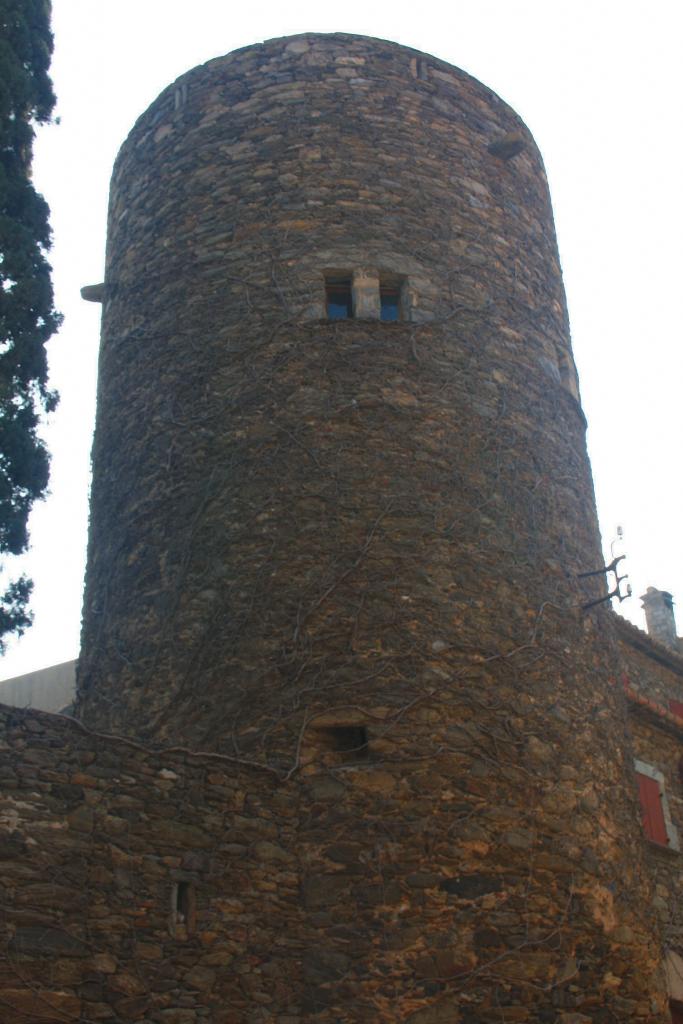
[295, 512]
[649, 667]
[653, 678]
[349, 892]
[318, 542]
[660, 745]
[97, 834]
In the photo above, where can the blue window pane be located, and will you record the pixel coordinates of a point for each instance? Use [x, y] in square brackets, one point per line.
[337, 310]
[389, 306]
[339, 301]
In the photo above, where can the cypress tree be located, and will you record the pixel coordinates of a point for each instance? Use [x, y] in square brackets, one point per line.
[27, 314]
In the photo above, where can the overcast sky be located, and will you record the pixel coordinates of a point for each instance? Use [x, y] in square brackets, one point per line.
[598, 82]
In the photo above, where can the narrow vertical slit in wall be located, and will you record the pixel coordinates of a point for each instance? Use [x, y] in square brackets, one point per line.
[183, 909]
[419, 68]
[567, 373]
[180, 96]
[182, 901]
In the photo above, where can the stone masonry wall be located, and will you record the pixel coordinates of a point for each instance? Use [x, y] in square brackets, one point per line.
[657, 675]
[95, 835]
[661, 746]
[657, 740]
[307, 532]
[288, 499]
[350, 892]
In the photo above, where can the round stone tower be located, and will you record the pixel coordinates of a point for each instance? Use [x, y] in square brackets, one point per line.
[340, 503]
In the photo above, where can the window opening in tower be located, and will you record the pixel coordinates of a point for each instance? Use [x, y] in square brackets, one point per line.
[339, 298]
[390, 302]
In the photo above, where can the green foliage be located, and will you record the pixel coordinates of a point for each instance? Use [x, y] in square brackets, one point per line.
[27, 313]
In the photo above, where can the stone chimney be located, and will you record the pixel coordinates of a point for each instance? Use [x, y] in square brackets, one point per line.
[659, 616]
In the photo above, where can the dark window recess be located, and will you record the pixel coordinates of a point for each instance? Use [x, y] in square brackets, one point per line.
[676, 1012]
[182, 901]
[350, 741]
[390, 302]
[184, 909]
[339, 298]
[651, 809]
[422, 70]
[180, 96]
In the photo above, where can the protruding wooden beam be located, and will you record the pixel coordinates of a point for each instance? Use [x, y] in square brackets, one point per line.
[93, 292]
[508, 145]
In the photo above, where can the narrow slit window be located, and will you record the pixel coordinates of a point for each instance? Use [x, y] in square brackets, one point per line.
[183, 909]
[339, 298]
[390, 302]
[419, 68]
[182, 901]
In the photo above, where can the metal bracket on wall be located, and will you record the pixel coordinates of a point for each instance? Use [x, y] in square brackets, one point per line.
[616, 592]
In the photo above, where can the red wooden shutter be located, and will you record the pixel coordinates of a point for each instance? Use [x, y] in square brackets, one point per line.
[677, 707]
[651, 808]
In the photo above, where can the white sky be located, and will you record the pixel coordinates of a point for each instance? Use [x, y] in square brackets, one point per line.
[598, 82]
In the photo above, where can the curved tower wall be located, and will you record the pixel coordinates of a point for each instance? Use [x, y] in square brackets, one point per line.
[309, 533]
[258, 470]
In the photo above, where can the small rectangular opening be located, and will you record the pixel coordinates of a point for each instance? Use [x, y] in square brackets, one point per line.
[182, 901]
[419, 68]
[390, 302]
[339, 297]
[348, 743]
[351, 738]
[183, 909]
[391, 297]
